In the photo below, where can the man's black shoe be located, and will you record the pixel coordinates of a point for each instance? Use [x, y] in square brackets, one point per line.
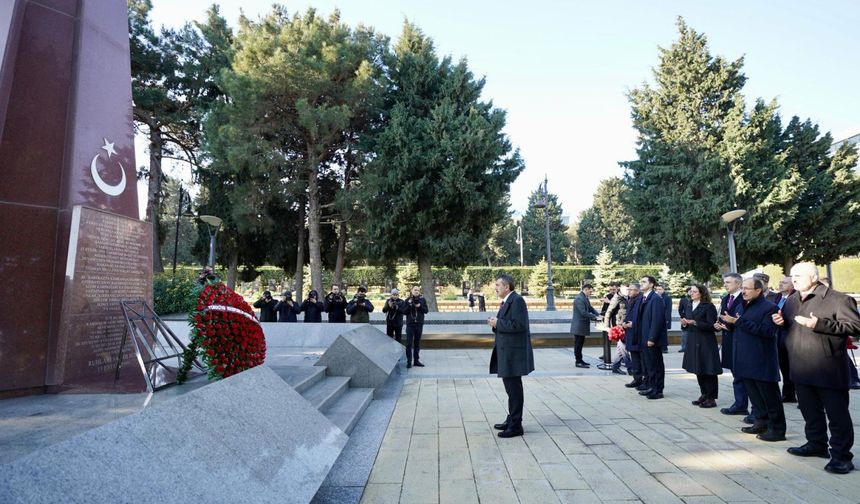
[645, 392]
[698, 401]
[583, 365]
[749, 419]
[408, 364]
[808, 451]
[512, 431]
[708, 403]
[501, 426]
[633, 384]
[643, 386]
[755, 429]
[618, 371]
[771, 436]
[418, 364]
[655, 395]
[839, 466]
[789, 399]
[730, 411]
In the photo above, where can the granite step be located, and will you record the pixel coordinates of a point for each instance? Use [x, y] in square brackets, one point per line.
[326, 391]
[301, 378]
[347, 410]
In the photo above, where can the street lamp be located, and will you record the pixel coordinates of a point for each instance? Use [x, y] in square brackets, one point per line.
[731, 219]
[542, 201]
[184, 200]
[520, 243]
[214, 224]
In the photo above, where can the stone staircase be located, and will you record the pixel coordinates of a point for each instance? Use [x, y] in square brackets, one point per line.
[333, 396]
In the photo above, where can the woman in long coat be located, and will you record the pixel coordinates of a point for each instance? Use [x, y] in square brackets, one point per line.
[702, 355]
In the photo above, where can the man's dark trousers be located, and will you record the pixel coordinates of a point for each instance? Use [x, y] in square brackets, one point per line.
[578, 342]
[656, 370]
[394, 331]
[785, 369]
[413, 341]
[514, 389]
[637, 365]
[814, 401]
[767, 404]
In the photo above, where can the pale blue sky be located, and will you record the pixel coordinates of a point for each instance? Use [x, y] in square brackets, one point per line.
[561, 68]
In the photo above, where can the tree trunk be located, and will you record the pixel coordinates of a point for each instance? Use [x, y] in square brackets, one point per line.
[787, 263]
[232, 269]
[341, 253]
[156, 144]
[314, 240]
[428, 286]
[298, 281]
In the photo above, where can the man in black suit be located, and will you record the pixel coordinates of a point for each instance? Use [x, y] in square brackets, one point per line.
[633, 339]
[786, 289]
[512, 356]
[685, 311]
[652, 323]
[819, 320]
[667, 306]
[730, 304]
[580, 322]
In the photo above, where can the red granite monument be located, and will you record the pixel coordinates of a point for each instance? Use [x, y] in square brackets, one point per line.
[72, 245]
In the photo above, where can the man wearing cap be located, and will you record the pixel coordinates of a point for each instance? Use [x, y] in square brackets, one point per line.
[267, 307]
[287, 309]
[765, 279]
[393, 316]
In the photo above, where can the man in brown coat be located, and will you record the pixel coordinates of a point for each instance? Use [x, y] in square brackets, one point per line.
[818, 321]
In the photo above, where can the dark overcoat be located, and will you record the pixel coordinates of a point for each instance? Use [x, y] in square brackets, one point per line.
[583, 314]
[667, 306]
[819, 356]
[287, 313]
[727, 344]
[267, 310]
[359, 312]
[336, 308]
[754, 342]
[702, 355]
[313, 310]
[512, 353]
[633, 336]
[393, 315]
[652, 320]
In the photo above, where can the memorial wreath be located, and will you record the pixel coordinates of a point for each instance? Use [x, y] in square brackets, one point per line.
[225, 334]
[616, 334]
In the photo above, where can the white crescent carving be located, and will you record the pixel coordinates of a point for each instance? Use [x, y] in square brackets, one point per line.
[110, 190]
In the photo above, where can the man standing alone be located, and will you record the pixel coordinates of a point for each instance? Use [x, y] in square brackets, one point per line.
[512, 356]
[652, 323]
[414, 307]
[580, 324]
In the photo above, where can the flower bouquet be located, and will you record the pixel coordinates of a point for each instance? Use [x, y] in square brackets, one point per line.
[225, 334]
[616, 334]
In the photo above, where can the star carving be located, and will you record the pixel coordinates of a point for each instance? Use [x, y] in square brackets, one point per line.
[108, 147]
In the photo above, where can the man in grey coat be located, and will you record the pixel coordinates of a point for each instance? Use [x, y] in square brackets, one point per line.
[512, 356]
[580, 324]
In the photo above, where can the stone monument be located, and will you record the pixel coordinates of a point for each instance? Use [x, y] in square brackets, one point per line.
[71, 243]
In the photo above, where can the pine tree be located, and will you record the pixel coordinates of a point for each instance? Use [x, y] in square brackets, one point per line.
[675, 283]
[538, 279]
[605, 271]
[534, 230]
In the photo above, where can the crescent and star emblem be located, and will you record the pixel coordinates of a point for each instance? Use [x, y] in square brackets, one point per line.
[110, 190]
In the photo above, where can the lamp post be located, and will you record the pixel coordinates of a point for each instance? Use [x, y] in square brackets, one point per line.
[731, 219]
[520, 243]
[543, 202]
[184, 200]
[214, 223]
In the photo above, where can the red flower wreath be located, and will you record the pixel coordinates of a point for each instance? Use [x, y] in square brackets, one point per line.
[225, 333]
[616, 334]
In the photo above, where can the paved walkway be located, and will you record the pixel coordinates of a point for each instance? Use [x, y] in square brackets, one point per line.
[588, 440]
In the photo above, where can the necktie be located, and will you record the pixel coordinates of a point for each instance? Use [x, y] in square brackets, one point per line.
[501, 305]
[731, 301]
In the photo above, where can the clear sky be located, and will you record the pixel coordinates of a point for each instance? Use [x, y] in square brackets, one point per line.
[561, 68]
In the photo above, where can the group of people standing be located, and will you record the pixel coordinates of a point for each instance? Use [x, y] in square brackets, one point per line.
[358, 308]
[799, 335]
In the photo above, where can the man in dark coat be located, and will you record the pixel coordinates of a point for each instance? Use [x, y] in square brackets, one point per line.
[359, 307]
[267, 304]
[393, 316]
[287, 309]
[580, 323]
[819, 320]
[633, 339]
[414, 307]
[313, 307]
[608, 316]
[512, 356]
[786, 289]
[756, 360]
[765, 280]
[730, 304]
[335, 305]
[652, 323]
[685, 312]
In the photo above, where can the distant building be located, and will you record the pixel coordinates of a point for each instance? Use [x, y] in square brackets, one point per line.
[850, 138]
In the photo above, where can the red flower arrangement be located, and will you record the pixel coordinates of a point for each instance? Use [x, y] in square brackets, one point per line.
[616, 334]
[225, 334]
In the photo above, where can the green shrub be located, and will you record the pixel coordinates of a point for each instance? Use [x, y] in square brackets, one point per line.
[174, 296]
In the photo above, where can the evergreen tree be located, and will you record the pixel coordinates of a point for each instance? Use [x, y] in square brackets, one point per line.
[675, 283]
[502, 248]
[589, 236]
[538, 279]
[608, 224]
[606, 270]
[441, 167]
[534, 230]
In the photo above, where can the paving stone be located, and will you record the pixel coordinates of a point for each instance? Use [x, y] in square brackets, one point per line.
[389, 466]
[646, 488]
[535, 492]
[578, 497]
[458, 492]
[564, 477]
[381, 493]
[499, 491]
[600, 478]
[681, 484]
